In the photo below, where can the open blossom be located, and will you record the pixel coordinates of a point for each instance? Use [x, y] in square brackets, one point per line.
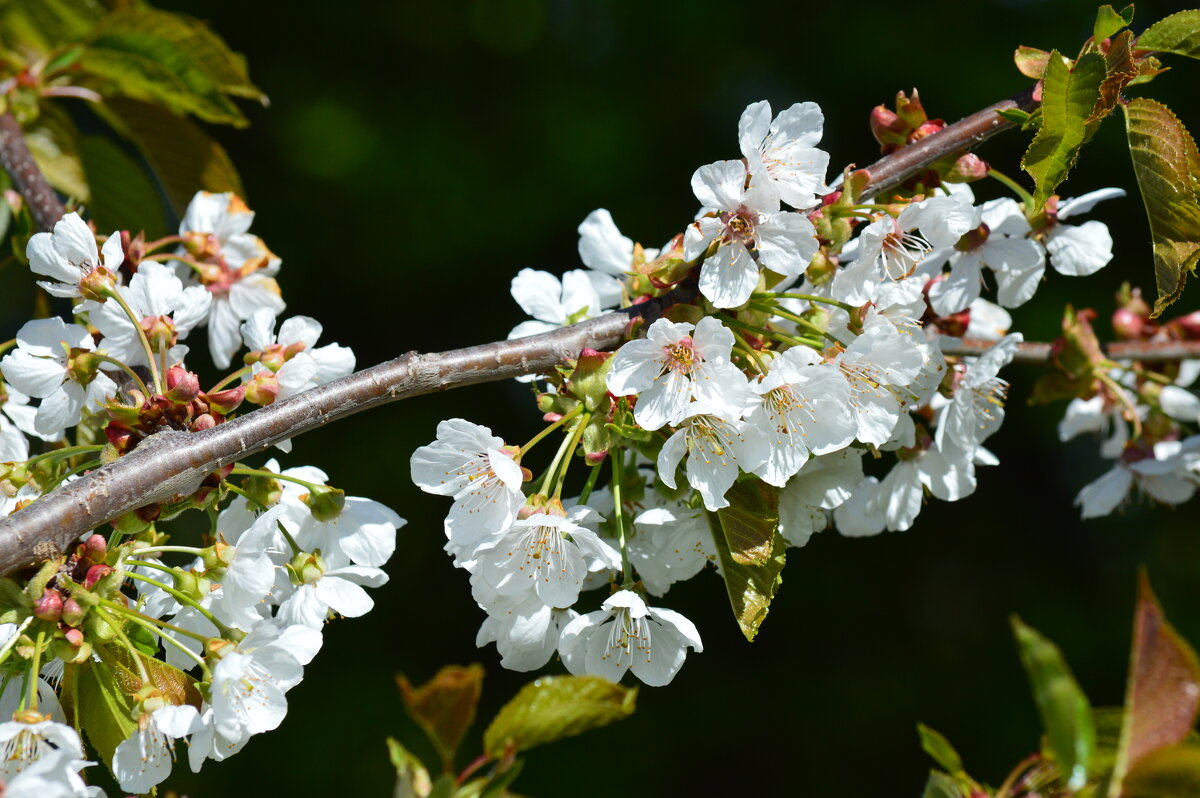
[878, 366]
[890, 249]
[525, 631]
[977, 409]
[161, 304]
[470, 464]
[716, 447]
[553, 303]
[747, 220]
[239, 271]
[41, 367]
[1080, 250]
[69, 254]
[784, 148]
[672, 543]
[145, 758]
[823, 483]
[50, 748]
[293, 354]
[1168, 473]
[628, 635]
[670, 367]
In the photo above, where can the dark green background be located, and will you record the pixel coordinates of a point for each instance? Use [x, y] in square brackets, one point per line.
[416, 155]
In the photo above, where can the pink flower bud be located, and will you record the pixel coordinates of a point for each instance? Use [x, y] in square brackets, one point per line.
[95, 574]
[1187, 327]
[203, 422]
[74, 636]
[98, 284]
[160, 330]
[49, 607]
[72, 613]
[95, 548]
[182, 385]
[1126, 324]
[888, 129]
[968, 168]
[263, 389]
[226, 401]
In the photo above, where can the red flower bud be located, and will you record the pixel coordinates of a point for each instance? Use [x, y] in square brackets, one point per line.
[182, 385]
[95, 548]
[49, 607]
[95, 574]
[226, 401]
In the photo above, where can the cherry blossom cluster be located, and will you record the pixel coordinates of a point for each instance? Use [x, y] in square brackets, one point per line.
[1147, 417]
[187, 640]
[809, 365]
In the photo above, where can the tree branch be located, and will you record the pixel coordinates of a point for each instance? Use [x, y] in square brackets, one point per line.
[44, 204]
[172, 464]
[1039, 353]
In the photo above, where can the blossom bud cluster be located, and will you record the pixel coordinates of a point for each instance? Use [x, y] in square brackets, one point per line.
[210, 637]
[809, 366]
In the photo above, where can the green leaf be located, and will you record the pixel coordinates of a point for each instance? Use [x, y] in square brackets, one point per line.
[1031, 62]
[1167, 773]
[444, 706]
[412, 779]
[183, 157]
[1178, 34]
[102, 709]
[750, 520]
[1120, 69]
[938, 747]
[12, 596]
[555, 707]
[53, 142]
[1109, 22]
[45, 24]
[941, 785]
[1162, 695]
[1015, 115]
[750, 587]
[1164, 156]
[1066, 716]
[1069, 96]
[123, 198]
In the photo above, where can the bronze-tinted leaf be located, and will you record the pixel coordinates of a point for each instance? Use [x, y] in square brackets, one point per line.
[445, 705]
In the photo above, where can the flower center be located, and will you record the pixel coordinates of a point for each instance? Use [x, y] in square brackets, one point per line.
[682, 357]
[901, 251]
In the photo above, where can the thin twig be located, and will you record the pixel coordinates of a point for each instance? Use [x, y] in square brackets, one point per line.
[29, 180]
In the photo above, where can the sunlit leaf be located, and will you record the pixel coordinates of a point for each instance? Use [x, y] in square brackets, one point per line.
[445, 705]
[1178, 34]
[555, 707]
[1121, 69]
[938, 747]
[1163, 155]
[102, 709]
[1069, 96]
[412, 779]
[45, 24]
[1062, 706]
[1109, 21]
[53, 142]
[176, 686]
[751, 587]
[1167, 773]
[1031, 62]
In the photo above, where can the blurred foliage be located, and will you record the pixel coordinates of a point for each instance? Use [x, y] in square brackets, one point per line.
[416, 155]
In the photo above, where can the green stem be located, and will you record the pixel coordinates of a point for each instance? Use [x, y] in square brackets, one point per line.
[12, 641]
[291, 541]
[824, 300]
[141, 621]
[235, 489]
[590, 485]
[7, 345]
[549, 474]
[123, 367]
[35, 667]
[162, 242]
[162, 549]
[619, 519]
[570, 414]
[576, 435]
[164, 624]
[133, 652]
[137, 326]
[1122, 396]
[1016, 187]
[242, 471]
[237, 375]
[182, 598]
[66, 451]
[79, 469]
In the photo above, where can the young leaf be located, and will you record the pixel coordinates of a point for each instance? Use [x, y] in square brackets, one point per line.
[183, 157]
[1031, 62]
[412, 779]
[1120, 69]
[938, 747]
[749, 521]
[102, 710]
[1164, 154]
[53, 142]
[178, 687]
[45, 24]
[1015, 115]
[555, 707]
[444, 706]
[1069, 96]
[1062, 706]
[1109, 22]
[1162, 695]
[750, 587]
[1167, 773]
[941, 785]
[1178, 34]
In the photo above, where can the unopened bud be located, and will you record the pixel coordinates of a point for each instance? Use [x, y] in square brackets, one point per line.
[1186, 327]
[95, 574]
[160, 331]
[183, 386]
[888, 129]
[821, 269]
[98, 284]
[324, 503]
[262, 389]
[95, 548]
[967, 169]
[96, 628]
[73, 612]
[49, 607]
[226, 401]
[910, 110]
[926, 129]
[203, 422]
[1126, 324]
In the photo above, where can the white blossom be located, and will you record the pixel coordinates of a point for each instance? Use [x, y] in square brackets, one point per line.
[784, 148]
[69, 254]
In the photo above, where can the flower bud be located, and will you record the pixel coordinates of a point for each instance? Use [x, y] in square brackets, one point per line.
[95, 548]
[96, 628]
[1186, 327]
[82, 365]
[324, 503]
[203, 422]
[822, 268]
[1126, 324]
[98, 285]
[262, 389]
[967, 169]
[72, 612]
[72, 648]
[910, 110]
[226, 401]
[49, 607]
[888, 129]
[160, 331]
[306, 568]
[182, 385]
[95, 574]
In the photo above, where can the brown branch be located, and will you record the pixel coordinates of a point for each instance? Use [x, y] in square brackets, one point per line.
[1039, 353]
[30, 182]
[172, 464]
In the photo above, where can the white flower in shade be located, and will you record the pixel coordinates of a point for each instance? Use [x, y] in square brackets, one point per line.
[999, 243]
[40, 367]
[239, 271]
[1099, 416]
[69, 254]
[890, 249]
[804, 408]
[55, 774]
[145, 758]
[748, 219]
[14, 447]
[1179, 403]
[988, 322]
[784, 148]
[823, 483]
[1080, 250]
[672, 543]
[628, 635]
[715, 448]
[545, 554]
[878, 366]
[293, 354]
[468, 462]
[155, 293]
[552, 303]
[363, 533]
[671, 366]
[249, 683]
[525, 632]
[209, 743]
[1170, 474]
[977, 409]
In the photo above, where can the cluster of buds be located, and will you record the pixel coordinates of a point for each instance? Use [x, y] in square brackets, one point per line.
[64, 592]
[182, 407]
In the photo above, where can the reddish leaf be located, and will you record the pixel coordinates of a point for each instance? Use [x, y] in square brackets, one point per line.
[1120, 69]
[445, 705]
